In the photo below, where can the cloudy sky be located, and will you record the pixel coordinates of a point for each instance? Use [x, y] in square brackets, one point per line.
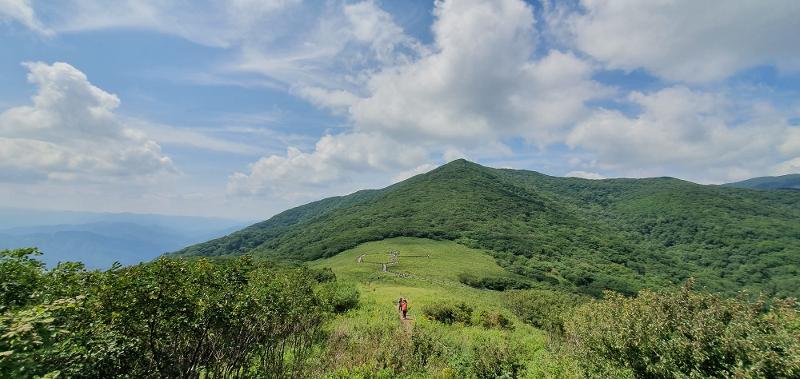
[242, 108]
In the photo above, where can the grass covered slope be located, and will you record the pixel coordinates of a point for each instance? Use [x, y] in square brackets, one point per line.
[620, 234]
[372, 341]
[426, 270]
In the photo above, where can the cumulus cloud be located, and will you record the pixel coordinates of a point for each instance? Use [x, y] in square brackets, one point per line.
[683, 131]
[334, 157]
[70, 131]
[479, 82]
[687, 40]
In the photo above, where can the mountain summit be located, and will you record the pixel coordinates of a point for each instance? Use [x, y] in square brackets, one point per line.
[588, 235]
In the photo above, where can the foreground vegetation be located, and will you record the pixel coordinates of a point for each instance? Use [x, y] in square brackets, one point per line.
[462, 332]
[337, 318]
[169, 318]
[588, 235]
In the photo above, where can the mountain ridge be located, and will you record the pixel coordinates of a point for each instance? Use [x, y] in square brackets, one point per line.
[784, 182]
[589, 235]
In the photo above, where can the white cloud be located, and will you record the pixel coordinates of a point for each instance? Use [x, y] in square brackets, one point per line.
[70, 131]
[334, 158]
[688, 40]
[338, 101]
[480, 82]
[791, 166]
[684, 132]
[21, 11]
[477, 84]
[194, 137]
[584, 175]
[372, 25]
[213, 23]
[421, 169]
[791, 144]
[335, 52]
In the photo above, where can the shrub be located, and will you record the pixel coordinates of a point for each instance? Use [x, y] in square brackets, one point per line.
[543, 309]
[688, 334]
[494, 358]
[495, 283]
[339, 297]
[167, 318]
[449, 313]
[494, 319]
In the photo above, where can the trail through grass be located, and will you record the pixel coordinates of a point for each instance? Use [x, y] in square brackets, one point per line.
[426, 273]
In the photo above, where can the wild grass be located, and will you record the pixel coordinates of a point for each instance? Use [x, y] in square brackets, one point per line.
[372, 341]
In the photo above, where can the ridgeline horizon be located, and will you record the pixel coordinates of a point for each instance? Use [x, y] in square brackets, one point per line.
[584, 235]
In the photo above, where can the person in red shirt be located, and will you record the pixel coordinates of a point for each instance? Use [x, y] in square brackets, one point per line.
[403, 307]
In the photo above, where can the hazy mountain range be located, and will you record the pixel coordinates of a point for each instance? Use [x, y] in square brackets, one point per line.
[99, 239]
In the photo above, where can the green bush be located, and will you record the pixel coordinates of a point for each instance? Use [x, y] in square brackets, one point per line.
[495, 283]
[449, 313]
[339, 297]
[684, 333]
[496, 359]
[495, 319]
[543, 309]
[167, 318]
[21, 277]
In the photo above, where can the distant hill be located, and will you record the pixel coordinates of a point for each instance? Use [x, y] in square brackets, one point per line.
[791, 181]
[100, 239]
[588, 235]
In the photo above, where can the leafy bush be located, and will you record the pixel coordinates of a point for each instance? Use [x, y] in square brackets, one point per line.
[686, 334]
[448, 313]
[496, 359]
[339, 297]
[543, 309]
[167, 318]
[495, 319]
[20, 276]
[495, 283]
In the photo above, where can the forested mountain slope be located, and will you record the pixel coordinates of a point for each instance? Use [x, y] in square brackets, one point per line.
[588, 235]
[791, 181]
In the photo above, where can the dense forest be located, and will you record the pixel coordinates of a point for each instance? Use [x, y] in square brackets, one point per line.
[582, 235]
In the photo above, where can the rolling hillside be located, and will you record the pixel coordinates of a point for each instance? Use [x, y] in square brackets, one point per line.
[790, 182]
[583, 235]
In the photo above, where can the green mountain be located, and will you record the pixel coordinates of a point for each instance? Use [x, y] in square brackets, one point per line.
[579, 234]
[791, 181]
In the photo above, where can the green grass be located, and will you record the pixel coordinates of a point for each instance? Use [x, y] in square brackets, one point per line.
[433, 280]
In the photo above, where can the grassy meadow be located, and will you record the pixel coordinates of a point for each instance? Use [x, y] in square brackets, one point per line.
[379, 343]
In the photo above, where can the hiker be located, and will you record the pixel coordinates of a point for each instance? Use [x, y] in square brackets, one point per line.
[403, 306]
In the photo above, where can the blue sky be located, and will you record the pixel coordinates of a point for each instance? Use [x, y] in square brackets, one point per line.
[243, 108]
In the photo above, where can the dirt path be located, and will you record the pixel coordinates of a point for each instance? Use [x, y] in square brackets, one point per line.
[407, 323]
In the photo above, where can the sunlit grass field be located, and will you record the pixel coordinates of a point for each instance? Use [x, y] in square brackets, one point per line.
[426, 273]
